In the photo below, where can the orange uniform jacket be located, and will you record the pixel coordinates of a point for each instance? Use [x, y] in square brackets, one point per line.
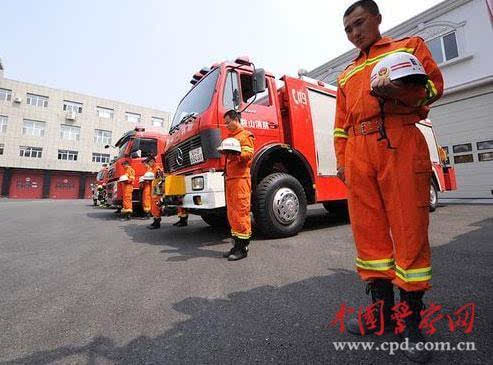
[238, 185]
[355, 104]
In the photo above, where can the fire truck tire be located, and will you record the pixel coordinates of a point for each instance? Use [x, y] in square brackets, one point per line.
[215, 220]
[433, 196]
[279, 205]
[339, 208]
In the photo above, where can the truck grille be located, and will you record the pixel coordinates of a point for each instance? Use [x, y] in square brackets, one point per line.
[179, 156]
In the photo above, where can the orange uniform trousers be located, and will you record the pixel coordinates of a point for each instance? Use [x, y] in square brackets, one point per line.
[389, 197]
[146, 196]
[238, 193]
[127, 190]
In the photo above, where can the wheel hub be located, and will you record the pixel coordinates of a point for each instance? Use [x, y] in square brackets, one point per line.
[285, 206]
[433, 196]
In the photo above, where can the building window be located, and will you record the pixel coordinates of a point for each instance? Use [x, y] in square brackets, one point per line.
[485, 156]
[5, 94]
[485, 145]
[67, 155]
[69, 133]
[37, 100]
[105, 112]
[100, 158]
[132, 117]
[444, 48]
[463, 159]
[72, 106]
[157, 122]
[460, 148]
[3, 124]
[34, 152]
[33, 128]
[2, 146]
[102, 137]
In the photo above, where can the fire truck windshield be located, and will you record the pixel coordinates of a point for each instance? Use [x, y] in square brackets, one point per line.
[123, 147]
[198, 98]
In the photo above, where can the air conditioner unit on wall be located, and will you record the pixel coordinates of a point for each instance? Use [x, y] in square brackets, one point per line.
[71, 116]
[18, 100]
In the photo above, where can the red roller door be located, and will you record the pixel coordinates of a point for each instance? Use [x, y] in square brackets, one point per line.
[64, 186]
[26, 185]
[90, 179]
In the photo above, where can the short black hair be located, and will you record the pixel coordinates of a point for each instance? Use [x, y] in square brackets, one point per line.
[369, 5]
[233, 114]
[125, 162]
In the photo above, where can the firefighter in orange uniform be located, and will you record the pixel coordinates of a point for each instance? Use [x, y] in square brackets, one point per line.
[384, 160]
[127, 189]
[155, 191]
[238, 185]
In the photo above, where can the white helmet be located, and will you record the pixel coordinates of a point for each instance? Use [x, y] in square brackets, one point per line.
[141, 179]
[148, 176]
[230, 144]
[400, 65]
[123, 178]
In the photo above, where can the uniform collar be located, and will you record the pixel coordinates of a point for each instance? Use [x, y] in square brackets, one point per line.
[381, 42]
[240, 129]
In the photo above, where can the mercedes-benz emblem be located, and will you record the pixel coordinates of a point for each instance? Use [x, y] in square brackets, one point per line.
[179, 156]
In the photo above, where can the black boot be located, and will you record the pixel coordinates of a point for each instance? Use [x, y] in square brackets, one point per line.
[412, 332]
[145, 216]
[125, 217]
[380, 289]
[233, 249]
[183, 222]
[240, 251]
[156, 224]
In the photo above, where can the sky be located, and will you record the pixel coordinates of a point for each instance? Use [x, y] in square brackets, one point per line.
[145, 52]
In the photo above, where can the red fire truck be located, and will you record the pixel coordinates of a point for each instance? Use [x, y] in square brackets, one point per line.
[294, 163]
[134, 146]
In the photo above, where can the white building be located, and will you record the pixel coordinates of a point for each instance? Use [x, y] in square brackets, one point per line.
[51, 131]
[459, 34]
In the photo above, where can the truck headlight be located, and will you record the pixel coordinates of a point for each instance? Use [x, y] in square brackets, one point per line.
[198, 183]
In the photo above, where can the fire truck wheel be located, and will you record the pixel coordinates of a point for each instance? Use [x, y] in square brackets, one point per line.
[216, 220]
[279, 205]
[433, 196]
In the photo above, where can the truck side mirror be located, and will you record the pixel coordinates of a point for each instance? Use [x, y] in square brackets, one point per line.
[259, 81]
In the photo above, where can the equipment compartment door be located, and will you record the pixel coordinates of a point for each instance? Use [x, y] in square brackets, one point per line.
[323, 109]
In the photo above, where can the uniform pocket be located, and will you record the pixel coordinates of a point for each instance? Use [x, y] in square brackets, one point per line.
[422, 176]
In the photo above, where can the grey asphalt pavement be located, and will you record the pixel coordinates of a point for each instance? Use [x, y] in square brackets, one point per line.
[77, 286]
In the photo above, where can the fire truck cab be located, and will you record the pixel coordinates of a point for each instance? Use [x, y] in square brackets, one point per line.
[134, 146]
[294, 163]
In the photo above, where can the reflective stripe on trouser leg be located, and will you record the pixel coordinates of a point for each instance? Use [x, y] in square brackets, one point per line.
[404, 178]
[238, 193]
[369, 223]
